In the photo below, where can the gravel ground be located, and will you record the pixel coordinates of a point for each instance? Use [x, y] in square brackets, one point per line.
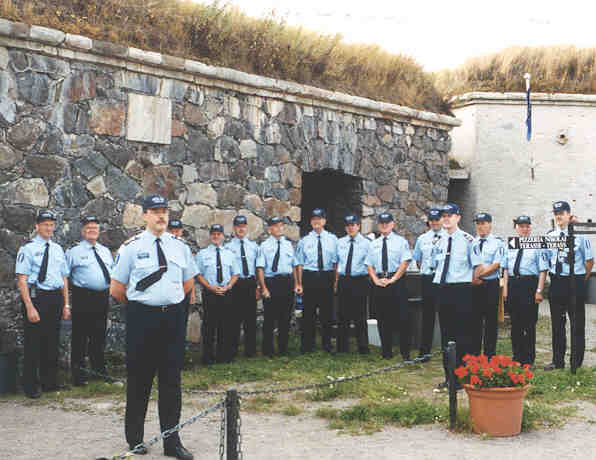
[91, 429]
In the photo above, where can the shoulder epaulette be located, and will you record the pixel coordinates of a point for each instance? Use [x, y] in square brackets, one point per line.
[468, 237]
[500, 239]
[27, 242]
[131, 239]
[182, 240]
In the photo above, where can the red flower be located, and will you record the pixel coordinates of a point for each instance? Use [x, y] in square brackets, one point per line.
[487, 372]
[468, 357]
[529, 374]
[461, 372]
[513, 377]
[475, 380]
[474, 368]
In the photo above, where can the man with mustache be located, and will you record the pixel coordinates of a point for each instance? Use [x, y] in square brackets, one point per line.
[154, 270]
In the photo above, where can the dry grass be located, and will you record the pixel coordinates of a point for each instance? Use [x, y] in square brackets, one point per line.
[224, 36]
[564, 69]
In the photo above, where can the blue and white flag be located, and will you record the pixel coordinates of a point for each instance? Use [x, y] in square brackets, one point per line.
[529, 109]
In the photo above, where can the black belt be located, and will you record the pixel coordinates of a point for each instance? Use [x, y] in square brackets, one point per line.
[455, 284]
[248, 278]
[74, 286]
[385, 275]
[565, 277]
[279, 277]
[352, 277]
[523, 277]
[48, 291]
[318, 272]
[156, 307]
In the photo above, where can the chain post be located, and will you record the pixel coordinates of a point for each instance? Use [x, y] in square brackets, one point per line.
[451, 360]
[232, 424]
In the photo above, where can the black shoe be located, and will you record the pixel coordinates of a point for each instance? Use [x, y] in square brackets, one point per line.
[178, 451]
[139, 451]
[552, 367]
[33, 394]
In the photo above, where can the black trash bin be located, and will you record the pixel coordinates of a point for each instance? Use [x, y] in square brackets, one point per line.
[8, 372]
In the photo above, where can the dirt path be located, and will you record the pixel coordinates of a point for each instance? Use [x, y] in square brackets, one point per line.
[39, 432]
[94, 428]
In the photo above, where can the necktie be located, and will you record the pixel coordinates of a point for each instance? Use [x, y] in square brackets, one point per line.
[384, 258]
[559, 265]
[106, 274]
[243, 257]
[154, 277]
[219, 269]
[350, 254]
[482, 241]
[446, 264]
[276, 258]
[43, 270]
[518, 259]
[320, 254]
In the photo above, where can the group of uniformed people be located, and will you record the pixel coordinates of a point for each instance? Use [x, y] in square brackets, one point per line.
[154, 276]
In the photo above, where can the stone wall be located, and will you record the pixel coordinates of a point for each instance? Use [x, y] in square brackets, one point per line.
[88, 128]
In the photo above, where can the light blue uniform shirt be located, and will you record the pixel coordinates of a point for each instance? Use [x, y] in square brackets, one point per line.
[251, 250]
[583, 253]
[137, 258]
[361, 249]
[423, 250]
[29, 262]
[207, 264]
[267, 252]
[307, 252]
[398, 251]
[493, 252]
[462, 261]
[533, 261]
[84, 267]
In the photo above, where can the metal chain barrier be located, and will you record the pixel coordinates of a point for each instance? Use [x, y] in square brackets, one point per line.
[165, 434]
[222, 434]
[230, 435]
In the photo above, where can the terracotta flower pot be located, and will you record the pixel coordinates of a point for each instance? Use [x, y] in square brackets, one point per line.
[497, 411]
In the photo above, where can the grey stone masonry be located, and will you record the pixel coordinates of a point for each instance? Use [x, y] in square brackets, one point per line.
[222, 142]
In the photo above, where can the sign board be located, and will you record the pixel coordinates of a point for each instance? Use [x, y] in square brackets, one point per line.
[536, 242]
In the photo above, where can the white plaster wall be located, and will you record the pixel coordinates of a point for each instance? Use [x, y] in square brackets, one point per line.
[463, 138]
[500, 176]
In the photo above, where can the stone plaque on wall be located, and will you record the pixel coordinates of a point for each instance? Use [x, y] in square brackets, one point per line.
[149, 119]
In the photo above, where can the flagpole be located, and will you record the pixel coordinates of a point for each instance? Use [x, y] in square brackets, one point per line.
[527, 77]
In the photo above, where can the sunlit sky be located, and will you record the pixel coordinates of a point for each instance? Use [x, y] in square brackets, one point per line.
[439, 34]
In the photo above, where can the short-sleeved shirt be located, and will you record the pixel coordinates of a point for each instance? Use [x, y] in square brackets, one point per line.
[137, 259]
[423, 250]
[398, 251]
[532, 262]
[307, 251]
[251, 250]
[84, 268]
[267, 251]
[493, 252]
[583, 253]
[207, 264]
[359, 254]
[462, 260]
[30, 257]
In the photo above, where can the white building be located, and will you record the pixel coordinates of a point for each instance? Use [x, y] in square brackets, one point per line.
[505, 175]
